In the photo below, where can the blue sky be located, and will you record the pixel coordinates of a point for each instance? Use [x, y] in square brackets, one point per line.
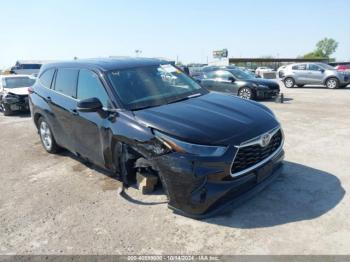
[189, 29]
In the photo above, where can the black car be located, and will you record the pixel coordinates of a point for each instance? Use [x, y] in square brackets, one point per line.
[238, 82]
[132, 115]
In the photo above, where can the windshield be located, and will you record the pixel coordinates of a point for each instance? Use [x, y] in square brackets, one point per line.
[152, 86]
[16, 82]
[241, 75]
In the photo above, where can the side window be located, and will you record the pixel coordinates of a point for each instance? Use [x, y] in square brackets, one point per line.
[210, 75]
[299, 67]
[314, 67]
[89, 85]
[66, 81]
[224, 75]
[46, 77]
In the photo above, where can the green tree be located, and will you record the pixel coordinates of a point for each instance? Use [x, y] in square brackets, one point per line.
[314, 54]
[324, 49]
[327, 46]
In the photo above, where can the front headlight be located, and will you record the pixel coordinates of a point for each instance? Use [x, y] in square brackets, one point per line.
[9, 98]
[194, 149]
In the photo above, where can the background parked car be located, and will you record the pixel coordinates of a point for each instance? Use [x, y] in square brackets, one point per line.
[238, 82]
[280, 71]
[262, 69]
[343, 68]
[14, 93]
[314, 74]
[26, 67]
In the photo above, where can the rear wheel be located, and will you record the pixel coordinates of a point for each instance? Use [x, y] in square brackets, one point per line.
[6, 110]
[289, 82]
[246, 93]
[332, 83]
[46, 136]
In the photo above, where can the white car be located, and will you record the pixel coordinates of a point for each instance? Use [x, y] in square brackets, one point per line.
[14, 93]
[263, 69]
[280, 71]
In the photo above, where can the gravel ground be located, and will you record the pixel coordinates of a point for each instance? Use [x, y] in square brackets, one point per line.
[54, 204]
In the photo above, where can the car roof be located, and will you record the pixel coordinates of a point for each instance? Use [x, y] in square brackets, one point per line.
[107, 64]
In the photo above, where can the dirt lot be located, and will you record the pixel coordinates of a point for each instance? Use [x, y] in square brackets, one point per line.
[54, 204]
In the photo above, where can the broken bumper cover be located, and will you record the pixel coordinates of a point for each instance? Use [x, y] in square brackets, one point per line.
[203, 189]
[15, 103]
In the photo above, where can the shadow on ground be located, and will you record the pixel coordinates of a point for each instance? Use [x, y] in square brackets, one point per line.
[319, 87]
[300, 193]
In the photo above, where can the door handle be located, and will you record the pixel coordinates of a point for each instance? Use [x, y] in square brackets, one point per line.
[74, 112]
[48, 98]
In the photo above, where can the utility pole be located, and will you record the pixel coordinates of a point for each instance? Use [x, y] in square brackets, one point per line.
[138, 52]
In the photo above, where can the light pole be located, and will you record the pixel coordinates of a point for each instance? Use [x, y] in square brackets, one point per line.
[138, 52]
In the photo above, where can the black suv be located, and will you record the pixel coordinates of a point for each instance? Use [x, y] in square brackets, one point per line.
[133, 115]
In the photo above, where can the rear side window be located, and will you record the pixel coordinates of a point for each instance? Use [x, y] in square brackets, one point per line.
[299, 67]
[89, 86]
[314, 67]
[46, 77]
[66, 81]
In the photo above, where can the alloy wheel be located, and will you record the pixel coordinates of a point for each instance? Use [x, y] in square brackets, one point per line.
[332, 83]
[45, 135]
[289, 83]
[245, 93]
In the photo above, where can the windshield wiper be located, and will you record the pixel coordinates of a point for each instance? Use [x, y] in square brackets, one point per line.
[184, 98]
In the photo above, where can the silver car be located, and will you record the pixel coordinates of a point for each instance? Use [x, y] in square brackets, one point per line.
[314, 74]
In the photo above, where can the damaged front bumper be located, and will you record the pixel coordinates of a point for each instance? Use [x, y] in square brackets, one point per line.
[16, 102]
[201, 187]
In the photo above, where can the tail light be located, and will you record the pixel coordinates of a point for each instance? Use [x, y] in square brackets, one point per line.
[30, 90]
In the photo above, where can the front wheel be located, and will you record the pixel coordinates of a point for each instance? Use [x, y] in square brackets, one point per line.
[289, 82]
[46, 136]
[246, 93]
[332, 83]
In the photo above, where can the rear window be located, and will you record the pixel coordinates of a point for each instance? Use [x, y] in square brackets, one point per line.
[30, 66]
[66, 81]
[17, 82]
[46, 78]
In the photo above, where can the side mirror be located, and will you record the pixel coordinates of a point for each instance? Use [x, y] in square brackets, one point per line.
[89, 105]
[232, 79]
[322, 71]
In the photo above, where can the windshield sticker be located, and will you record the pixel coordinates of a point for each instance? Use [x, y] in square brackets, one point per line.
[169, 68]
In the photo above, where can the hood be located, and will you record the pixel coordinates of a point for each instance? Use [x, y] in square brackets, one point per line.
[259, 81]
[17, 91]
[211, 119]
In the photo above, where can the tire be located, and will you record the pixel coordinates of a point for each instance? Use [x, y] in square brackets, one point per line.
[246, 93]
[47, 139]
[332, 83]
[289, 82]
[300, 85]
[6, 110]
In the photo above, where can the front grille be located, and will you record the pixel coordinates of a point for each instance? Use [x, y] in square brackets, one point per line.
[252, 155]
